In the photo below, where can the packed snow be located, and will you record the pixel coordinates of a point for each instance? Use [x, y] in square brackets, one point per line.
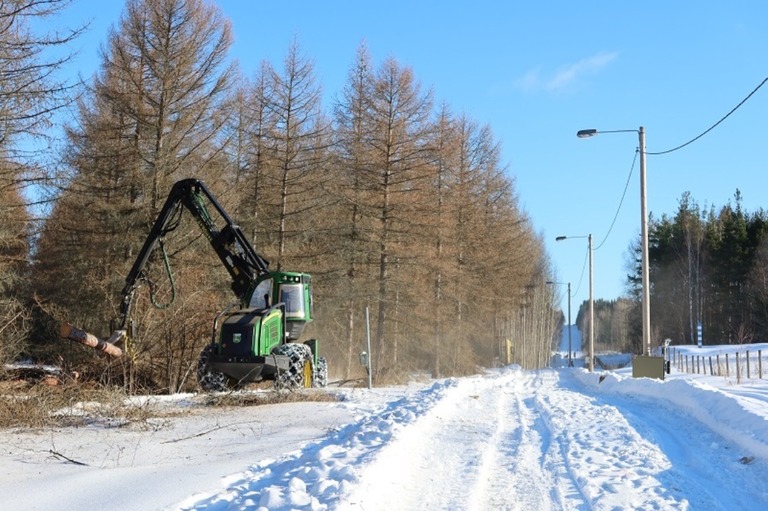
[553, 439]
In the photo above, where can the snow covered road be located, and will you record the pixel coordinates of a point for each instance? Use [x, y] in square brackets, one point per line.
[507, 440]
[547, 440]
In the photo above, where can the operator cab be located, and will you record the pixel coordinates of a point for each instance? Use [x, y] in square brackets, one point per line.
[293, 290]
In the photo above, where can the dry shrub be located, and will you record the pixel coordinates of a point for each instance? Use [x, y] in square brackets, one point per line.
[25, 405]
[70, 405]
[269, 397]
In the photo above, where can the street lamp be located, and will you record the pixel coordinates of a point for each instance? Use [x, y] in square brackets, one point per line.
[550, 282]
[646, 301]
[591, 361]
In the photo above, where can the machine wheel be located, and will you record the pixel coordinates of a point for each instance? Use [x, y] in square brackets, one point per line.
[299, 373]
[320, 374]
[208, 379]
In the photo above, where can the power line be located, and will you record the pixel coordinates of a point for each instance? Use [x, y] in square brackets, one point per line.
[634, 160]
[713, 126]
[637, 151]
[583, 270]
[621, 202]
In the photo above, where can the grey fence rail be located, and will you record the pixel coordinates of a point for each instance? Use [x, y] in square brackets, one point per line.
[741, 365]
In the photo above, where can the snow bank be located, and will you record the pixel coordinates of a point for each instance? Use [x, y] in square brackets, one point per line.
[734, 416]
[316, 476]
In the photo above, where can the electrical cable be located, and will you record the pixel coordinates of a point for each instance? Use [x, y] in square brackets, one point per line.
[621, 202]
[581, 277]
[711, 127]
[658, 153]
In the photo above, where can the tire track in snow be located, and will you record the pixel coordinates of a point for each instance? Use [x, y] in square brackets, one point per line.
[612, 464]
[696, 454]
[528, 465]
[565, 489]
[492, 446]
[511, 440]
[459, 429]
[318, 475]
[511, 476]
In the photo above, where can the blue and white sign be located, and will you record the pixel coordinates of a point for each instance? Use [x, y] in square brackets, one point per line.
[698, 333]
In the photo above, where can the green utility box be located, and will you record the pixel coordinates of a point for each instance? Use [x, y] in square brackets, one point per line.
[644, 366]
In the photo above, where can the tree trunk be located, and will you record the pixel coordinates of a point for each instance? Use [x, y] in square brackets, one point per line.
[75, 334]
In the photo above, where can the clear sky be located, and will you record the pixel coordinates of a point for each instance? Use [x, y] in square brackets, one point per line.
[536, 73]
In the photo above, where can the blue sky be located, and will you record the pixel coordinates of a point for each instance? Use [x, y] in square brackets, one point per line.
[536, 73]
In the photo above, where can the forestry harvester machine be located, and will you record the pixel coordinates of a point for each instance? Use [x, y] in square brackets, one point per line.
[257, 338]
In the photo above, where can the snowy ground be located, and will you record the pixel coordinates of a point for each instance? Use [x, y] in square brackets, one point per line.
[556, 439]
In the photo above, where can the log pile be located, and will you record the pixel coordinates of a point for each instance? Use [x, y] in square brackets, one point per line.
[72, 333]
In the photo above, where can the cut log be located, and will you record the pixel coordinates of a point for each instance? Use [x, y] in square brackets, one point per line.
[75, 334]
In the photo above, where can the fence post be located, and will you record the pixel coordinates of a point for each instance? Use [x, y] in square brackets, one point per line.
[719, 369]
[738, 368]
[760, 364]
[727, 367]
[711, 369]
[748, 373]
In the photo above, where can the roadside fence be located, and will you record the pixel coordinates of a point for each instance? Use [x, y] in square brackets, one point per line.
[742, 365]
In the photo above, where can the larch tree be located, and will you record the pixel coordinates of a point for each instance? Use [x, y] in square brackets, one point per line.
[14, 270]
[446, 146]
[255, 154]
[400, 127]
[31, 92]
[353, 269]
[154, 115]
[475, 157]
[300, 141]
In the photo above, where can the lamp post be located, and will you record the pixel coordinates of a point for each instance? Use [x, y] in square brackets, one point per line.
[550, 282]
[646, 300]
[591, 361]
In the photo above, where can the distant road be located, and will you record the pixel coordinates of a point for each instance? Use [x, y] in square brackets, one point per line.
[560, 359]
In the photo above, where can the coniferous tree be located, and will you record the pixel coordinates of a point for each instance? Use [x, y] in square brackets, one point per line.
[14, 272]
[150, 119]
[704, 268]
[31, 92]
[758, 279]
[353, 129]
[728, 281]
[399, 118]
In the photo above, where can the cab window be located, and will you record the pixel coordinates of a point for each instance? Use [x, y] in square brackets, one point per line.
[260, 297]
[293, 298]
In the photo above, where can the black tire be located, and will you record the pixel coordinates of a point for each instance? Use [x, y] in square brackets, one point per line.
[320, 374]
[299, 373]
[208, 379]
